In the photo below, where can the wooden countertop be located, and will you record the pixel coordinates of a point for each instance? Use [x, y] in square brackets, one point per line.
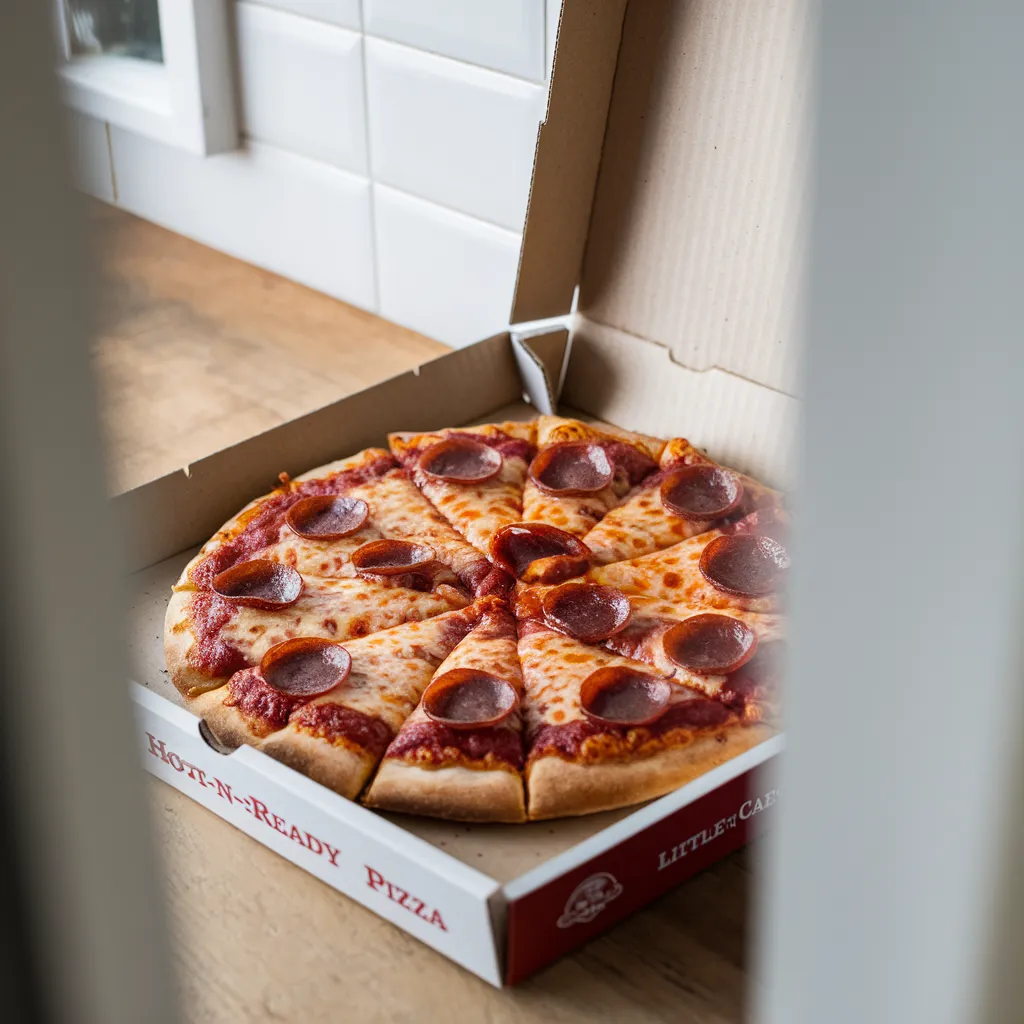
[196, 351]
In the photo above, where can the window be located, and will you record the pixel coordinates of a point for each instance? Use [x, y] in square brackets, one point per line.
[161, 68]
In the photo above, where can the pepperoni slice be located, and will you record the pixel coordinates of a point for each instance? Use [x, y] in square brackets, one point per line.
[617, 695]
[710, 644]
[536, 553]
[391, 557]
[259, 583]
[749, 565]
[587, 611]
[572, 467]
[467, 698]
[769, 522]
[760, 679]
[305, 666]
[701, 492]
[461, 460]
[327, 517]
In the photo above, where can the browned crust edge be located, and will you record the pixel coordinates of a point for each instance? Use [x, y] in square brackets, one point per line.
[454, 792]
[231, 527]
[178, 640]
[225, 721]
[560, 788]
[401, 442]
[554, 429]
[337, 766]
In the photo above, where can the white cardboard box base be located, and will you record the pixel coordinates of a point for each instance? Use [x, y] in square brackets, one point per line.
[500, 900]
[431, 894]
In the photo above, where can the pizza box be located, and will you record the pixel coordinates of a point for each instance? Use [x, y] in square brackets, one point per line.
[670, 270]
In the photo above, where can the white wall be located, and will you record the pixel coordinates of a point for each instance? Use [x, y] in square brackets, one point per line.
[386, 158]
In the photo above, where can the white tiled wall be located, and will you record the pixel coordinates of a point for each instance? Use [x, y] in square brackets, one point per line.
[338, 12]
[447, 131]
[430, 259]
[302, 86]
[387, 159]
[295, 216]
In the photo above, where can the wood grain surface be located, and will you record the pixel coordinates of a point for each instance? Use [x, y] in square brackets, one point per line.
[195, 351]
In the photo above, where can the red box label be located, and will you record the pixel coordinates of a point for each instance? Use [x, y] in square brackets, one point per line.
[548, 922]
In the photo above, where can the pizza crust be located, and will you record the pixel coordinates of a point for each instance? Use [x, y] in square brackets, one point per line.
[178, 640]
[225, 721]
[461, 794]
[338, 766]
[559, 788]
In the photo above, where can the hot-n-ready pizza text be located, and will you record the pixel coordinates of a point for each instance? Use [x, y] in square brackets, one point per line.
[376, 881]
[251, 804]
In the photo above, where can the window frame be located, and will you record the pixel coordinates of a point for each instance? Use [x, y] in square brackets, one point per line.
[187, 101]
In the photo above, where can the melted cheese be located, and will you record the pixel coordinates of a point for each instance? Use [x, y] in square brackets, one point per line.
[488, 647]
[641, 524]
[479, 510]
[337, 609]
[476, 510]
[401, 512]
[674, 575]
[391, 669]
[554, 667]
[579, 514]
[397, 510]
[650, 619]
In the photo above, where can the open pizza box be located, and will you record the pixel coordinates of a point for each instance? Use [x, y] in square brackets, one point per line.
[666, 189]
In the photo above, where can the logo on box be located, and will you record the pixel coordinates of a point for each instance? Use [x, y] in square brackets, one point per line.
[589, 898]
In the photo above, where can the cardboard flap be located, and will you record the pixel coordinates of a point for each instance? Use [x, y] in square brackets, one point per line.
[670, 177]
[184, 508]
[623, 379]
[696, 238]
[566, 160]
[541, 359]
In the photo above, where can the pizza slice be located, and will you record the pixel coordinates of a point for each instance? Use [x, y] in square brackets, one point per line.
[580, 472]
[731, 656]
[210, 634]
[459, 755]
[317, 523]
[688, 495]
[735, 657]
[604, 731]
[330, 710]
[742, 566]
[474, 476]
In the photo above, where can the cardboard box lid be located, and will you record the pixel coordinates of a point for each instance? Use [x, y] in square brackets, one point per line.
[669, 177]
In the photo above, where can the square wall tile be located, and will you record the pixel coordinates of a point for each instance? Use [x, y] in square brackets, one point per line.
[507, 35]
[90, 155]
[459, 135]
[339, 12]
[302, 86]
[442, 273]
[299, 218]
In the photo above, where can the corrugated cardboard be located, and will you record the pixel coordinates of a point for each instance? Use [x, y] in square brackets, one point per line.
[695, 235]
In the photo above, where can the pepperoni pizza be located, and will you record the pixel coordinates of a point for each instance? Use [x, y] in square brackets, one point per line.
[498, 623]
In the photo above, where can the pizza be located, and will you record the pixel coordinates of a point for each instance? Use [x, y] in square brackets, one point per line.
[506, 622]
